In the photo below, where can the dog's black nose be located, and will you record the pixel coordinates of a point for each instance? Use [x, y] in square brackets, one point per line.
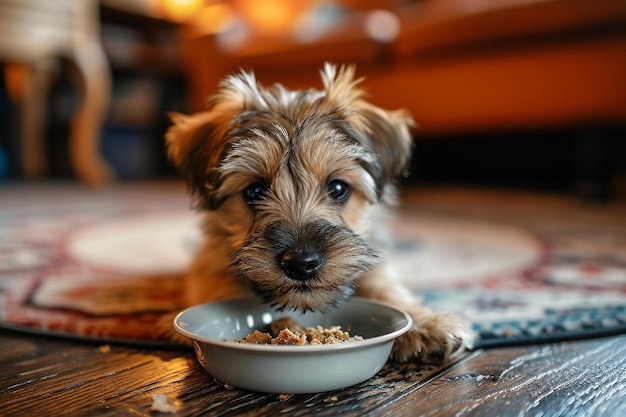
[301, 263]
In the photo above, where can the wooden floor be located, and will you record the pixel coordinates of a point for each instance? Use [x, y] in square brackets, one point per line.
[44, 376]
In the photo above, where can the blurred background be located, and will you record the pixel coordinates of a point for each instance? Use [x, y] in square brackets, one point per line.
[527, 94]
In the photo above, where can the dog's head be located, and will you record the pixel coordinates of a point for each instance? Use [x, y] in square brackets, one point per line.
[290, 181]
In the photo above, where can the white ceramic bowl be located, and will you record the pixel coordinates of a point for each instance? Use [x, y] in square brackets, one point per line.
[291, 369]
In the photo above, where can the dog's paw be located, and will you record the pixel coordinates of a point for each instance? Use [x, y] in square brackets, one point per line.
[435, 338]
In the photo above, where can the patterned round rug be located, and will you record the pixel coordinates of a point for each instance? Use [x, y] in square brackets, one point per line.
[105, 265]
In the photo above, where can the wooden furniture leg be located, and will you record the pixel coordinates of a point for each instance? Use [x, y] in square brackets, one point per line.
[95, 90]
[27, 87]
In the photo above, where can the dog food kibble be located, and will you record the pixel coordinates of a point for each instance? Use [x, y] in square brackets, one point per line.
[288, 332]
[257, 337]
[285, 323]
[287, 337]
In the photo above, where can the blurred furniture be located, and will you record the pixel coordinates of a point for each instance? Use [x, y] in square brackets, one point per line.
[459, 65]
[517, 64]
[144, 56]
[465, 68]
[32, 33]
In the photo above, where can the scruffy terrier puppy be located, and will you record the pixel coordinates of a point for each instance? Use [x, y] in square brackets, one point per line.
[294, 187]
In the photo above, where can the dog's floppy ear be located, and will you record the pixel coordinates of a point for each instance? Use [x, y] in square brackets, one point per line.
[389, 133]
[385, 133]
[196, 143]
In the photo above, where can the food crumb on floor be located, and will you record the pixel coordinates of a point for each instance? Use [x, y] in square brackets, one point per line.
[163, 404]
[104, 348]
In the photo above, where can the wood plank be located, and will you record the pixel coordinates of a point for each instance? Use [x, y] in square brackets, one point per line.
[580, 378]
[71, 378]
[78, 378]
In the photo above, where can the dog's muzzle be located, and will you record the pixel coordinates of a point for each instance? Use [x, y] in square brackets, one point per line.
[306, 267]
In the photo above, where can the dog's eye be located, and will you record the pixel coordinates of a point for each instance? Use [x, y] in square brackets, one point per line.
[338, 190]
[254, 192]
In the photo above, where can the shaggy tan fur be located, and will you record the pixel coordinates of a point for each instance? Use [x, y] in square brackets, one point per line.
[295, 188]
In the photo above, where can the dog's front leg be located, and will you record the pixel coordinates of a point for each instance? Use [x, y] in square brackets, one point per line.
[435, 337]
[207, 280]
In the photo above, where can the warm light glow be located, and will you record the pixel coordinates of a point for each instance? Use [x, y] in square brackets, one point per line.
[180, 10]
[212, 19]
[272, 17]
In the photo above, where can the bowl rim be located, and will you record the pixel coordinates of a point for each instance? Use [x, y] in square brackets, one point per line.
[366, 342]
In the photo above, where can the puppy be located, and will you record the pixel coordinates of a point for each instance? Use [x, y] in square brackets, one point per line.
[295, 188]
